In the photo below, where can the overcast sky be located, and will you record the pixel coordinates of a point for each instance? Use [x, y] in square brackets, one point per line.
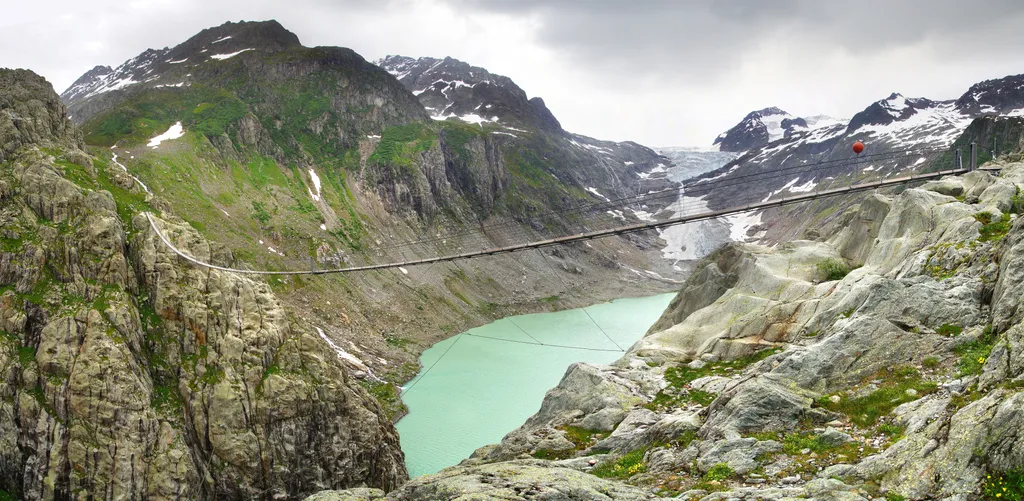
[660, 72]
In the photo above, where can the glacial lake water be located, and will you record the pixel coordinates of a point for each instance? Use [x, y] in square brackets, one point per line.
[483, 389]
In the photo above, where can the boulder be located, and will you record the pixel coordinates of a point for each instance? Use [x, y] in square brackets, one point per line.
[1009, 288]
[950, 186]
[348, 495]
[742, 454]
[516, 480]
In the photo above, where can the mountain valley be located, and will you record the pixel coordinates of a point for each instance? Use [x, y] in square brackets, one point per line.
[862, 346]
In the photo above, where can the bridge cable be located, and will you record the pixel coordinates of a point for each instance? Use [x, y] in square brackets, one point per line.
[704, 185]
[421, 376]
[553, 271]
[699, 187]
[571, 238]
[546, 345]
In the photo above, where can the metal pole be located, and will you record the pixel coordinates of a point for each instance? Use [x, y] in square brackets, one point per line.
[959, 159]
[974, 156]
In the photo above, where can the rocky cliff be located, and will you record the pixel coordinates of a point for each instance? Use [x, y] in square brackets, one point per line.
[881, 362]
[126, 373]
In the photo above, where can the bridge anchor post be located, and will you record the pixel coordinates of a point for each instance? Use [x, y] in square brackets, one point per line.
[974, 156]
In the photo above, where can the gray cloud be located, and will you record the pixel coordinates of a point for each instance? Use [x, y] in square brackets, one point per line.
[696, 40]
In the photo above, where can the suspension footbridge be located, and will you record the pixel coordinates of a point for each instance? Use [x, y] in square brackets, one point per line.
[684, 210]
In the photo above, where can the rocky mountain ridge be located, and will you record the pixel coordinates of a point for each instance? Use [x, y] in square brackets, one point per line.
[452, 88]
[171, 67]
[902, 135]
[895, 123]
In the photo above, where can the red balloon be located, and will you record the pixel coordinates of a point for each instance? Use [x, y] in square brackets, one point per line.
[858, 147]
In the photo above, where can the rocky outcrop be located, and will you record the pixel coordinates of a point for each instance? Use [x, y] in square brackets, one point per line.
[32, 114]
[513, 480]
[127, 373]
[464, 179]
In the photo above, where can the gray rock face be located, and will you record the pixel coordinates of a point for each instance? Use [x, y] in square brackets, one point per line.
[466, 183]
[718, 273]
[740, 454]
[297, 421]
[348, 495]
[31, 113]
[1009, 289]
[855, 242]
[949, 456]
[128, 372]
[516, 480]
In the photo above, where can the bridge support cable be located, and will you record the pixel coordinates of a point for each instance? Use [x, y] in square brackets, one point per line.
[696, 190]
[546, 345]
[566, 286]
[424, 374]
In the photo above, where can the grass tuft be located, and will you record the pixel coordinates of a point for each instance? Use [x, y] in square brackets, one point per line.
[974, 354]
[677, 393]
[894, 389]
[1008, 486]
[625, 466]
[992, 230]
[832, 269]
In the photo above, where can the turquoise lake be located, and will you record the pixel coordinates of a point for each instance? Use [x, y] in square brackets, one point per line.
[483, 388]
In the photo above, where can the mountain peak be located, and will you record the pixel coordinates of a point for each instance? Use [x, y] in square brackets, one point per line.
[264, 35]
[766, 112]
[450, 88]
[177, 66]
[31, 113]
[759, 128]
[895, 108]
[1000, 95]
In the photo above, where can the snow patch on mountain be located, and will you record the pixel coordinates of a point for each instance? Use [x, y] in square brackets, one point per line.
[595, 192]
[689, 162]
[471, 118]
[822, 121]
[316, 184]
[692, 241]
[803, 188]
[740, 225]
[939, 125]
[346, 356]
[174, 132]
[221, 57]
[773, 123]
